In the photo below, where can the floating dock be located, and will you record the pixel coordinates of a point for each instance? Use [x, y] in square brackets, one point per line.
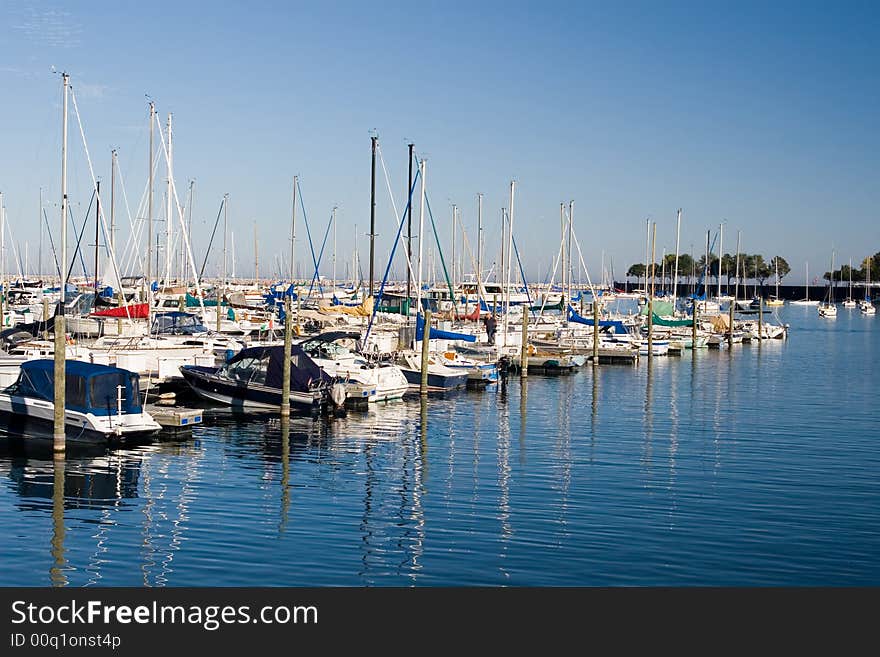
[175, 418]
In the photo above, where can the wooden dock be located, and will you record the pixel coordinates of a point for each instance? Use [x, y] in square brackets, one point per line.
[175, 418]
[617, 356]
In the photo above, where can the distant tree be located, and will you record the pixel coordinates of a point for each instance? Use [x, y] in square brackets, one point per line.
[728, 267]
[669, 264]
[636, 271]
[686, 266]
[778, 263]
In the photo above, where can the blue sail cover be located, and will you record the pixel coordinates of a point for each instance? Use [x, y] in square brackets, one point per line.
[617, 326]
[89, 388]
[437, 334]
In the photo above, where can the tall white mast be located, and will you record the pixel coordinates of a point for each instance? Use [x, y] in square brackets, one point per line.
[334, 251]
[568, 250]
[293, 235]
[168, 211]
[453, 246]
[647, 252]
[509, 260]
[720, 254]
[479, 245]
[149, 273]
[225, 236]
[562, 257]
[677, 238]
[422, 166]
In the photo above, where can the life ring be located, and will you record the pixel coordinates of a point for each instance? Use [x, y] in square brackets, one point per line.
[69, 340]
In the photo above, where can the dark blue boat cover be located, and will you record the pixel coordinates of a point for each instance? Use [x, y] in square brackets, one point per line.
[304, 373]
[89, 388]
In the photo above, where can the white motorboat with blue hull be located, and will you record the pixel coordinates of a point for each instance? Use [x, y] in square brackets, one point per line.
[102, 403]
[252, 380]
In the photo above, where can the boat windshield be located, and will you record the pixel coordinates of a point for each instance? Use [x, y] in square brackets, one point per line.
[328, 350]
[105, 389]
[248, 370]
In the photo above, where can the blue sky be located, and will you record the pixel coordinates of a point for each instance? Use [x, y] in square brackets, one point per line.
[759, 115]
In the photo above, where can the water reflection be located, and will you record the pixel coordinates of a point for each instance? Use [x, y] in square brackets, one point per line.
[59, 563]
[346, 501]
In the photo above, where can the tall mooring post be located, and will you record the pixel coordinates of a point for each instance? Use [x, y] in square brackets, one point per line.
[285, 372]
[426, 343]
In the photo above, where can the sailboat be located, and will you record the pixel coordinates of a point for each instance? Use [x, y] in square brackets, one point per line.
[806, 300]
[828, 308]
[776, 301]
[866, 306]
[849, 302]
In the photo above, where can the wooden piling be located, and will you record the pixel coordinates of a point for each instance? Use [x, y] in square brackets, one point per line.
[45, 318]
[730, 327]
[694, 325]
[285, 376]
[651, 299]
[426, 342]
[524, 350]
[595, 330]
[760, 320]
[219, 301]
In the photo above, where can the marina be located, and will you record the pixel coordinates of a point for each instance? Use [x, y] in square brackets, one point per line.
[716, 468]
[436, 296]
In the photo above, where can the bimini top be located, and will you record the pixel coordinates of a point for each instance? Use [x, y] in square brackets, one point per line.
[304, 372]
[89, 388]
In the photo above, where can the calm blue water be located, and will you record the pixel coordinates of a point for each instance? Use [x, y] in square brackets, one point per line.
[756, 467]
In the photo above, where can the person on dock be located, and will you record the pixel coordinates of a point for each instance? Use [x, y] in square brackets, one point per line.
[491, 327]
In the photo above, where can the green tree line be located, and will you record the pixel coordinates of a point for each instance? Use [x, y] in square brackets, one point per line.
[752, 267]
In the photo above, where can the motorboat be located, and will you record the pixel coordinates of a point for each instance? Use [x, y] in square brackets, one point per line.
[102, 403]
[252, 379]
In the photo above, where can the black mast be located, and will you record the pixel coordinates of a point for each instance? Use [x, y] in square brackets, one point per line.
[97, 227]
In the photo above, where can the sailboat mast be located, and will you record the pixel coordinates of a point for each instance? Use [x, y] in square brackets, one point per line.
[149, 273]
[40, 255]
[422, 167]
[293, 234]
[59, 435]
[409, 253]
[677, 239]
[372, 211]
[257, 255]
[453, 246]
[334, 251]
[225, 236]
[97, 228]
[568, 250]
[479, 245]
[562, 249]
[112, 200]
[736, 275]
[509, 260]
[168, 211]
[720, 253]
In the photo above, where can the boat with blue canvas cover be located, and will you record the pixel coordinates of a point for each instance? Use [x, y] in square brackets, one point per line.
[102, 403]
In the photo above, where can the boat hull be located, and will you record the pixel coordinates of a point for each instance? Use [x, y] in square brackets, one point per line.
[207, 385]
[35, 418]
[436, 382]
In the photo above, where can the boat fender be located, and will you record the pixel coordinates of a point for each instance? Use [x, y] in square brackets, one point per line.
[337, 394]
